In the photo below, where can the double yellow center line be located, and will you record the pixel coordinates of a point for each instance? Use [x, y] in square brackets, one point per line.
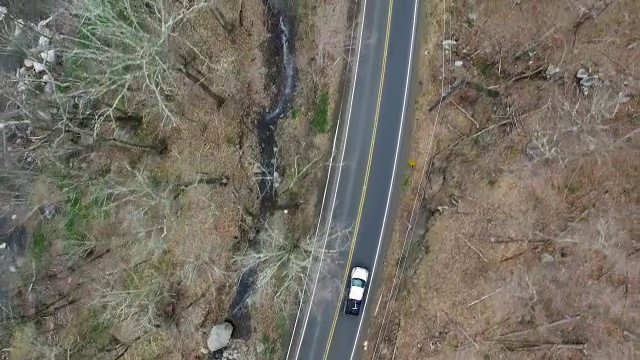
[366, 181]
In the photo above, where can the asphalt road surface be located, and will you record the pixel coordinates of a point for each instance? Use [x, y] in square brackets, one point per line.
[370, 145]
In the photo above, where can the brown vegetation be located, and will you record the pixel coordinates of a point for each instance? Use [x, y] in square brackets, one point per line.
[530, 203]
[139, 201]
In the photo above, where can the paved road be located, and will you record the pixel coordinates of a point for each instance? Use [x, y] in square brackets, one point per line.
[371, 138]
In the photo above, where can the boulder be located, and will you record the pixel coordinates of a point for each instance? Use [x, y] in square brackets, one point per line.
[220, 336]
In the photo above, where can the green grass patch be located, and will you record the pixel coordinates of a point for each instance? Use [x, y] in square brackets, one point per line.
[76, 243]
[97, 325]
[231, 140]
[272, 343]
[320, 116]
[295, 113]
[485, 68]
[72, 222]
[270, 349]
[283, 324]
[39, 245]
[79, 214]
[572, 188]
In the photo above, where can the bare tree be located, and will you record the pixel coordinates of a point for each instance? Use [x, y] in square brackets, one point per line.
[121, 51]
[284, 261]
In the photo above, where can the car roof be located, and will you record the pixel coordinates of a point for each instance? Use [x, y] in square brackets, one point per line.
[360, 273]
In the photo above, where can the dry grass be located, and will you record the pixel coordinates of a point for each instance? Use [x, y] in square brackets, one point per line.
[138, 261]
[532, 251]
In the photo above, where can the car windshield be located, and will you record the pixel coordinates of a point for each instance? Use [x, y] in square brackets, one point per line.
[357, 283]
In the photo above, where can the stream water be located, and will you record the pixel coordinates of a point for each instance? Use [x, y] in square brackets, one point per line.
[282, 74]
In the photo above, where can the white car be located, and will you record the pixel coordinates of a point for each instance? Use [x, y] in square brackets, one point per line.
[358, 282]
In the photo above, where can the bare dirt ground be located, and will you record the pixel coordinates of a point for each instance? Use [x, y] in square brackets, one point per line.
[525, 238]
[131, 253]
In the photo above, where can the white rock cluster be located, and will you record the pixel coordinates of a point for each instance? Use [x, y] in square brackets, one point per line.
[40, 58]
[239, 350]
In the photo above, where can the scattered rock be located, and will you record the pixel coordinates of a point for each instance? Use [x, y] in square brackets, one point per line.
[38, 67]
[41, 27]
[48, 87]
[552, 72]
[12, 268]
[277, 179]
[219, 336]
[590, 81]
[49, 211]
[472, 17]
[587, 79]
[51, 56]
[48, 56]
[447, 45]
[3, 246]
[623, 97]
[43, 42]
[582, 73]
[239, 350]
[546, 258]
[458, 63]
[28, 63]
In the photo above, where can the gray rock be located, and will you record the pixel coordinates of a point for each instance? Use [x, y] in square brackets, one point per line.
[49, 211]
[623, 97]
[546, 258]
[447, 45]
[582, 73]
[590, 81]
[552, 71]
[38, 67]
[219, 336]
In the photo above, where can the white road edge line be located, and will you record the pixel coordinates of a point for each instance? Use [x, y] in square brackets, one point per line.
[335, 192]
[395, 169]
